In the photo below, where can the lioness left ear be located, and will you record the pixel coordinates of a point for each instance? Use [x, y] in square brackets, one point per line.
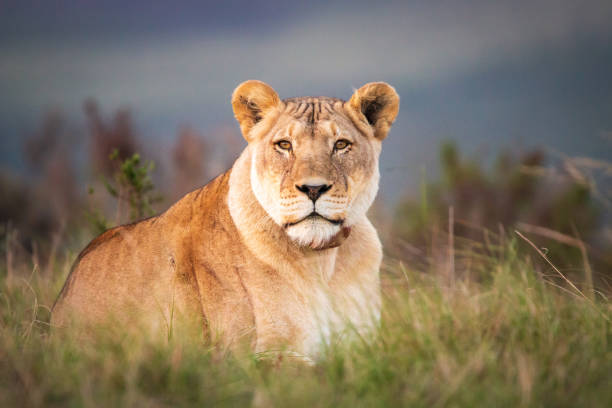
[252, 100]
[375, 104]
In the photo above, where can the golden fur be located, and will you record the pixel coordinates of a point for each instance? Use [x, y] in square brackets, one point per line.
[252, 258]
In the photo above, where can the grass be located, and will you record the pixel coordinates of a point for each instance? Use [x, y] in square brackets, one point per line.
[505, 337]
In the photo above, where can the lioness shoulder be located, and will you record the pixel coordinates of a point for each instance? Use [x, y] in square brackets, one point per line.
[276, 252]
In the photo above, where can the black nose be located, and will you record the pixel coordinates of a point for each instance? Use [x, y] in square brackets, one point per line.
[313, 192]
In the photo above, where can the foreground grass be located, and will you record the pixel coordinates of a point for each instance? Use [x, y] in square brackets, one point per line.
[511, 339]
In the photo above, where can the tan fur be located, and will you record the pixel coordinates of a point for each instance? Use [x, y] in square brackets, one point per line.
[241, 257]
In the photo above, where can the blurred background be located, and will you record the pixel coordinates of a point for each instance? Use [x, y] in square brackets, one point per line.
[505, 119]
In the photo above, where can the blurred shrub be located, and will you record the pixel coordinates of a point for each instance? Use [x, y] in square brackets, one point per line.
[196, 158]
[45, 202]
[40, 204]
[109, 136]
[516, 190]
[189, 159]
[132, 188]
[43, 205]
[19, 208]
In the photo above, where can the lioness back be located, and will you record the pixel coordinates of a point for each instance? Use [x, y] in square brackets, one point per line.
[146, 271]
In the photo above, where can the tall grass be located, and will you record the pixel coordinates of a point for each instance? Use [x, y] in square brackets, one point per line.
[506, 338]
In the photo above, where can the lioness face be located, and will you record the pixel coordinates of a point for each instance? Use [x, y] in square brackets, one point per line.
[313, 172]
[314, 161]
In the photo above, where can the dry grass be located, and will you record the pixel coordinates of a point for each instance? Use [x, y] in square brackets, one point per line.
[508, 338]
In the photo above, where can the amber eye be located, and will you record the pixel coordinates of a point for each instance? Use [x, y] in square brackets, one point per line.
[341, 144]
[284, 145]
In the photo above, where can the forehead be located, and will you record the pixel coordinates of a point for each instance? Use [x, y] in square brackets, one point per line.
[314, 115]
[313, 109]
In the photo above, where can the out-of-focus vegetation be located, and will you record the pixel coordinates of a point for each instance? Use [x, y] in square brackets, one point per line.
[562, 204]
[475, 314]
[133, 189]
[512, 339]
[81, 180]
[515, 189]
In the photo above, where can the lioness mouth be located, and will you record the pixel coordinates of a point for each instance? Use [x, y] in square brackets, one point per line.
[314, 215]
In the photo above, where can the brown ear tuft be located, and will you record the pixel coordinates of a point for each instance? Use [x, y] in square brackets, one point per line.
[252, 100]
[376, 104]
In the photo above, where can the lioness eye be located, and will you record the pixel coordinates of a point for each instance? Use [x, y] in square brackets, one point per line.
[341, 144]
[283, 144]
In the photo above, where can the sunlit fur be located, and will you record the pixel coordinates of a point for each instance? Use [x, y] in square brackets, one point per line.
[237, 258]
[313, 126]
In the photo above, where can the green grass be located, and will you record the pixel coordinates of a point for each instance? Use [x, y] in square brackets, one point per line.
[508, 338]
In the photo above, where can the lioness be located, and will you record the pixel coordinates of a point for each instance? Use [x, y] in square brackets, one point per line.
[277, 252]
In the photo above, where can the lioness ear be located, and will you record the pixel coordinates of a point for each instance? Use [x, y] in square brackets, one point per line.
[252, 101]
[376, 104]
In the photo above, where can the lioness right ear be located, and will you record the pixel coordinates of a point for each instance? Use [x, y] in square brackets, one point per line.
[252, 101]
[375, 105]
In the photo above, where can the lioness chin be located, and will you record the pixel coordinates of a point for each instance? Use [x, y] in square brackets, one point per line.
[276, 253]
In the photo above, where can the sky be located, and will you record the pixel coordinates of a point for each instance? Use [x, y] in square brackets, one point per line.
[489, 75]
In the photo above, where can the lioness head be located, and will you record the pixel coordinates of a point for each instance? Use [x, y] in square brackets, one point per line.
[315, 160]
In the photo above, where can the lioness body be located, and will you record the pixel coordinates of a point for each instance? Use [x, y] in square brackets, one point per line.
[220, 258]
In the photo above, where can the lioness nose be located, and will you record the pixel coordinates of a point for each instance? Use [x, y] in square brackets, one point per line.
[313, 192]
